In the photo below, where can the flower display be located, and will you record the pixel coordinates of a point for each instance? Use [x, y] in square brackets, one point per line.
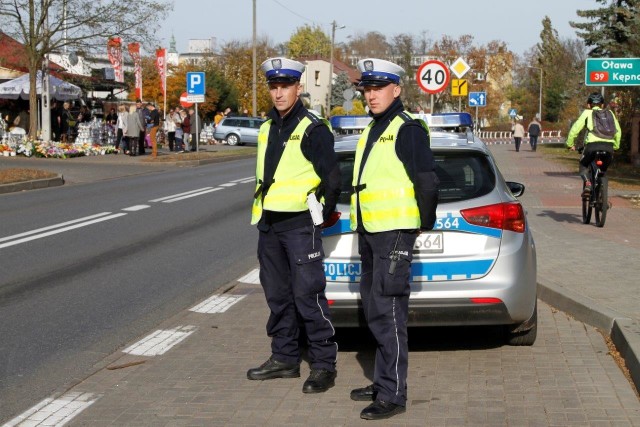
[55, 149]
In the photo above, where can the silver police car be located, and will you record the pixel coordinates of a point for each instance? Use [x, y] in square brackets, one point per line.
[478, 265]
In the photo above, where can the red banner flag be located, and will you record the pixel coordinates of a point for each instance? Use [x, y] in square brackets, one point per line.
[134, 51]
[161, 65]
[114, 50]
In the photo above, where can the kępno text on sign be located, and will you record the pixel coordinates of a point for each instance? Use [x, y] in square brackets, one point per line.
[612, 72]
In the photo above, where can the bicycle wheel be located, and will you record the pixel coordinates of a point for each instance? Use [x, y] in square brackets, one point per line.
[586, 209]
[602, 202]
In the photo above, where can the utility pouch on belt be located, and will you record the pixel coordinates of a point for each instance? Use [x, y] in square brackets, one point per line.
[315, 209]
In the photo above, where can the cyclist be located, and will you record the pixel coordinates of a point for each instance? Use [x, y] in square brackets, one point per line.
[593, 142]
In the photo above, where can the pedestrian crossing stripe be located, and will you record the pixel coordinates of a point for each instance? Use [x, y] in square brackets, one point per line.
[217, 304]
[160, 341]
[55, 412]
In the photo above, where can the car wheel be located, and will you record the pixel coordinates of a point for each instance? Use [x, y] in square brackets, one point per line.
[515, 335]
[232, 139]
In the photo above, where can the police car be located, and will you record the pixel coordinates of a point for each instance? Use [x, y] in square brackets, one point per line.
[478, 265]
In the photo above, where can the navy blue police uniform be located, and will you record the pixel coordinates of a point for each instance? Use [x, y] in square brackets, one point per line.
[290, 248]
[385, 289]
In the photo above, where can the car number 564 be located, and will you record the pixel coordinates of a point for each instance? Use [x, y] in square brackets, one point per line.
[430, 242]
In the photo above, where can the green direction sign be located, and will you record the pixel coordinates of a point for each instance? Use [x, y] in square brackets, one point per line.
[612, 72]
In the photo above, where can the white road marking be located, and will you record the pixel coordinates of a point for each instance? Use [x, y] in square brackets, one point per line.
[217, 304]
[176, 199]
[228, 184]
[179, 194]
[61, 230]
[55, 412]
[160, 341]
[253, 277]
[136, 208]
[252, 178]
[62, 224]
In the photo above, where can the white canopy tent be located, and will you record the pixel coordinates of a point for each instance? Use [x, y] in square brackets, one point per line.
[58, 89]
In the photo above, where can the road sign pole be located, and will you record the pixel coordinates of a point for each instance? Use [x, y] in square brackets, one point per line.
[431, 103]
[476, 127]
[198, 121]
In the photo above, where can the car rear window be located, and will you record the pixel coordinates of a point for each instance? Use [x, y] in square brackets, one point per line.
[463, 175]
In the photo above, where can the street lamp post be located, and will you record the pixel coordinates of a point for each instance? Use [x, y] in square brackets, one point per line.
[539, 94]
[334, 25]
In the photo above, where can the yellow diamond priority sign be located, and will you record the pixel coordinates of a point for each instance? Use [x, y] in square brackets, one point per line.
[459, 67]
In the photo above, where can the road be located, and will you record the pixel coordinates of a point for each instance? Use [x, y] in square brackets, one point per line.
[87, 268]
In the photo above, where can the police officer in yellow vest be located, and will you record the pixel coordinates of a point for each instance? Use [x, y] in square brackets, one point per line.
[395, 196]
[295, 158]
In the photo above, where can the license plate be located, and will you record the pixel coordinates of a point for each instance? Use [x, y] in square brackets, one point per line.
[431, 242]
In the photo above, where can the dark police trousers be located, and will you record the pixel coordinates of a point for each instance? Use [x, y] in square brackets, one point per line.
[292, 276]
[385, 300]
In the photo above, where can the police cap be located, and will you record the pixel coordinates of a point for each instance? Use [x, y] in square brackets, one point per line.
[282, 70]
[378, 72]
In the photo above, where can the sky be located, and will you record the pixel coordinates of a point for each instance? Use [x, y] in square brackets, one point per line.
[516, 22]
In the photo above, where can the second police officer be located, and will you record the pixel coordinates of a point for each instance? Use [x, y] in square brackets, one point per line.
[295, 158]
[395, 197]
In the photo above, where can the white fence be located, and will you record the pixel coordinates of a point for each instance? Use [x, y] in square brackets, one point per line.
[505, 137]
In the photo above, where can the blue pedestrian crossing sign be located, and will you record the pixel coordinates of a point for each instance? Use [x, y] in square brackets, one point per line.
[477, 99]
[513, 113]
[195, 87]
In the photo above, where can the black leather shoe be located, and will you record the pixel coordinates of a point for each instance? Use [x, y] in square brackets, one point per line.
[379, 410]
[319, 380]
[364, 394]
[274, 369]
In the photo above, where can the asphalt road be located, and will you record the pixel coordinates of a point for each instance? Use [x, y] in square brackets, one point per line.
[87, 268]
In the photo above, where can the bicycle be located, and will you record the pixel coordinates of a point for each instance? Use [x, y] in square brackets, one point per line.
[598, 199]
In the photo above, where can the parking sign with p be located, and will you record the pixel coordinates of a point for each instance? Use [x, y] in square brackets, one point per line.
[195, 87]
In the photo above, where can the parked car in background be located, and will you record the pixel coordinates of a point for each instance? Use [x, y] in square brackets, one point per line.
[476, 267]
[238, 130]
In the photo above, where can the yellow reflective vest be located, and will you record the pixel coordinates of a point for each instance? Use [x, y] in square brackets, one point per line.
[293, 180]
[384, 191]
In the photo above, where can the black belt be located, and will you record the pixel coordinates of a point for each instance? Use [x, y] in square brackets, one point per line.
[359, 188]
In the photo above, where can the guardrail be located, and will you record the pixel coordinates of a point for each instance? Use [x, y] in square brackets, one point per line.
[505, 137]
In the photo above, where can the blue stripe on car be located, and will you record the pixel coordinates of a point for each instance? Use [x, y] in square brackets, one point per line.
[420, 271]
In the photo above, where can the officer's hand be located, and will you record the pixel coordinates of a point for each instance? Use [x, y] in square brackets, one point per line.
[331, 219]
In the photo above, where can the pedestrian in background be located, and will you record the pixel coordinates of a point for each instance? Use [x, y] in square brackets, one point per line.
[186, 129]
[154, 121]
[395, 198]
[295, 159]
[121, 124]
[534, 129]
[518, 133]
[170, 128]
[143, 119]
[55, 121]
[196, 127]
[133, 128]
[67, 123]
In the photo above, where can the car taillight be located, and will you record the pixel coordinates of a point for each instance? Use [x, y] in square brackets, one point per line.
[599, 162]
[505, 216]
[335, 216]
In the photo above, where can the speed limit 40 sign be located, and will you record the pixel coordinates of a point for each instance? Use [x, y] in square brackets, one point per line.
[433, 76]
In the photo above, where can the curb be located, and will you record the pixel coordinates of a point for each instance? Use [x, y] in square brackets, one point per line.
[623, 331]
[31, 185]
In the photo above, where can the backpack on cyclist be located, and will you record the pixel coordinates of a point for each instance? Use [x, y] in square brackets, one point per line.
[604, 125]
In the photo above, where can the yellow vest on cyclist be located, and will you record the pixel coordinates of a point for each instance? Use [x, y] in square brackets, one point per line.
[294, 177]
[586, 119]
[385, 193]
